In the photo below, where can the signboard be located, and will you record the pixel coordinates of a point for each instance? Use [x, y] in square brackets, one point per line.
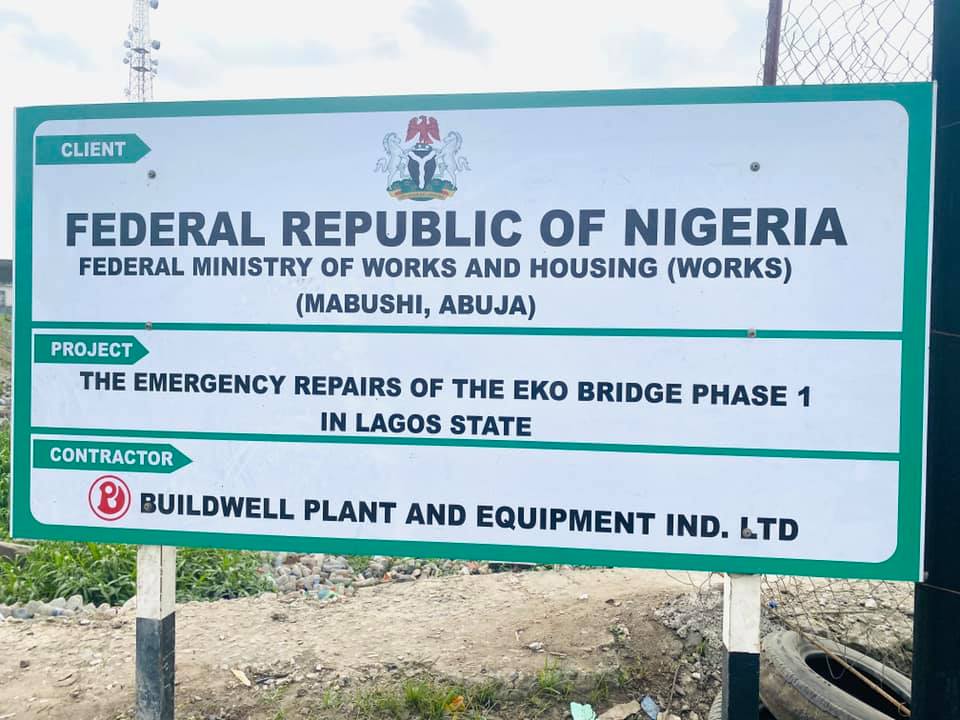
[671, 328]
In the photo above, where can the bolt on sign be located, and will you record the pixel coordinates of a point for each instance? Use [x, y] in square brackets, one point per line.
[667, 328]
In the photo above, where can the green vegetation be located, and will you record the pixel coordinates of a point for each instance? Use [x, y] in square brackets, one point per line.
[380, 703]
[107, 573]
[5, 482]
[206, 574]
[600, 692]
[433, 697]
[619, 635]
[553, 682]
[605, 682]
[100, 573]
[331, 699]
[426, 699]
[274, 699]
[358, 563]
[429, 701]
[701, 648]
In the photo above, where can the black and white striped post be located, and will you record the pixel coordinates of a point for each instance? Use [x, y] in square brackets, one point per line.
[156, 631]
[741, 647]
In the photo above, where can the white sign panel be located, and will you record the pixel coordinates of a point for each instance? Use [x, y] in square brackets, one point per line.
[668, 328]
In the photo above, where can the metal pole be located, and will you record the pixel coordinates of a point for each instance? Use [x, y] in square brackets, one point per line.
[936, 629]
[741, 647]
[156, 631]
[771, 53]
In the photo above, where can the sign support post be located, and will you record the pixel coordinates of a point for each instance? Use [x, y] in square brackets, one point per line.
[741, 647]
[156, 631]
[936, 630]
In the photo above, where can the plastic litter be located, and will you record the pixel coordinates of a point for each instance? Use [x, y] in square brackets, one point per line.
[582, 712]
[622, 711]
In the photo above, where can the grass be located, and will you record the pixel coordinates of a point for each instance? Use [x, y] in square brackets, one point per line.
[107, 573]
[426, 699]
[600, 691]
[5, 483]
[379, 703]
[207, 574]
[430, 701]
[605, 682]
[552, 681]
[619, 635]
[331, 699]
[358, 563]
[100, 573]
[273, 699]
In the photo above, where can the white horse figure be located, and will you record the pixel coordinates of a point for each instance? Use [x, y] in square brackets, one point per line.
[395, 163]
[447, 161]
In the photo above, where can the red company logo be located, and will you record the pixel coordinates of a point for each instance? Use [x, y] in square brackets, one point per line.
[109, 498]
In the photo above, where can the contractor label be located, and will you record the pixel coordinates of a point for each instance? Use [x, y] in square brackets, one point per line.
[618, 328]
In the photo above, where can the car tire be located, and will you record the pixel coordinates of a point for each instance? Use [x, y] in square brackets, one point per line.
[799, 681]
[716, 710]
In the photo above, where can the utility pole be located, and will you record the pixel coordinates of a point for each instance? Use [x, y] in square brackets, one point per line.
[771, 47]
[936, 629]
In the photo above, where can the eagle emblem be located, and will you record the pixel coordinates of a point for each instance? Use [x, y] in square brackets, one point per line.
[422, 166]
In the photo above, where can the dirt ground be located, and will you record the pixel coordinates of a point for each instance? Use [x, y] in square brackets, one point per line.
[302, 657]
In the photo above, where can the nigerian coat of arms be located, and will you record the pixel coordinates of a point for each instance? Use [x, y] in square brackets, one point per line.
[422, 166]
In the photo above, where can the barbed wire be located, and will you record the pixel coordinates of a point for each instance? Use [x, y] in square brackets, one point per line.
[854, 41]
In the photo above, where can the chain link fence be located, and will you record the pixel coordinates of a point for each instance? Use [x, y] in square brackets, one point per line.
[854, 41]
[873, 617]
[849, 41]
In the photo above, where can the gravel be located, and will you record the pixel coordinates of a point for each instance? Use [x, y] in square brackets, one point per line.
[319, 576]
[872, 617]
[56, 608]
[328, 577]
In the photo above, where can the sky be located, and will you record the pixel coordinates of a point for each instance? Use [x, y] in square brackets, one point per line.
[57, 52]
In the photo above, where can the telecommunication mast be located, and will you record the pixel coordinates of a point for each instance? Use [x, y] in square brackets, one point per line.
[140, 52]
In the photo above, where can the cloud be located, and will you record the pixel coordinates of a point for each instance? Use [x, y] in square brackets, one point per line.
[385, 48]
[191, 72]
[64, 51]
[10, 18]
[446, 24]
[287, 54]
[56, 47]
[730, 57]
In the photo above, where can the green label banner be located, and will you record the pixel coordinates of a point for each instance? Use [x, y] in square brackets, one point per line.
[92, 455]
[90, 149]
[88, 349]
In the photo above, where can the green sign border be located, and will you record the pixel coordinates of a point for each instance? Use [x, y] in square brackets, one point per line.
[905, 562]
